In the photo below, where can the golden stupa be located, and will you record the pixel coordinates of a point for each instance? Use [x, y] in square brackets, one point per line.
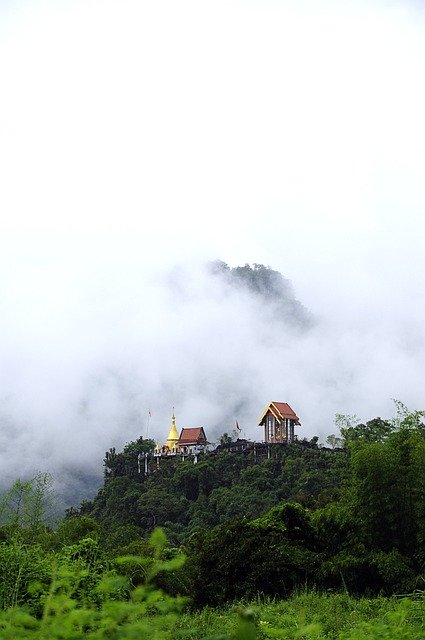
[173, 436]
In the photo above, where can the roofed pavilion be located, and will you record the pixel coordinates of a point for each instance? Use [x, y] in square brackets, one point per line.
[279, 420]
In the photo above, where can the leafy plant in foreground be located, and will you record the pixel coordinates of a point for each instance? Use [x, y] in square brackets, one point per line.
[147, 613]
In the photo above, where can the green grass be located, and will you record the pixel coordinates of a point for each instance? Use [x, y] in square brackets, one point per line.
[151, 614]
[314, 616]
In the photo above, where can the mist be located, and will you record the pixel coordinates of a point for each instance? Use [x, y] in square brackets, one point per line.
[86, 359]
[140, 143]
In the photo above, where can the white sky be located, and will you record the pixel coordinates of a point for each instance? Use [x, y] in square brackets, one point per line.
[135, 136]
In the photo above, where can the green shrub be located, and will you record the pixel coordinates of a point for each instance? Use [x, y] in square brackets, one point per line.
[20, 566]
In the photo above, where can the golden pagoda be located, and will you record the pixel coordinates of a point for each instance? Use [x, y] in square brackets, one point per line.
[173, 436]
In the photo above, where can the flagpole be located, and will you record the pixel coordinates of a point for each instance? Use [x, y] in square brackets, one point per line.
[148, 425]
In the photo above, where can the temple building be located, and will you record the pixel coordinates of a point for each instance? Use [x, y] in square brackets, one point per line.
[279, 421]
[192, 440]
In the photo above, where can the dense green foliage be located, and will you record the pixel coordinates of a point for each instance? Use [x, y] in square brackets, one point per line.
[184, 498]
[83, 596]
[305, 519]
[125, 613]
[348, 518]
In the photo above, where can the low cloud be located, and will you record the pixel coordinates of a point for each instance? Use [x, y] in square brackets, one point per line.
[215, 344]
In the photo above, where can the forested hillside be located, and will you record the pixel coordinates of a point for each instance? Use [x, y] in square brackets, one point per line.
[183, 497]
[351, 518]
[346, 520]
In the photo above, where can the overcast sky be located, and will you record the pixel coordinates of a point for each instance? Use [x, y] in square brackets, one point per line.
[138, 139]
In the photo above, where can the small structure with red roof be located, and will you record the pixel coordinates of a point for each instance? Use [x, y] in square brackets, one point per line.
[192, 440]
[279, 421]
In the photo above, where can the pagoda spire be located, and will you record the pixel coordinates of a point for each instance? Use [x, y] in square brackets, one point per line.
[173, 436]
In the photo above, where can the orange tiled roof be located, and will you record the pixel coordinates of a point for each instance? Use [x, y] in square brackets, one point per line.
[285, 410]
[192, 435]
[280, 410]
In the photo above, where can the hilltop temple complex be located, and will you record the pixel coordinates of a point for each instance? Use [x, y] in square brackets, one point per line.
[278, 421]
